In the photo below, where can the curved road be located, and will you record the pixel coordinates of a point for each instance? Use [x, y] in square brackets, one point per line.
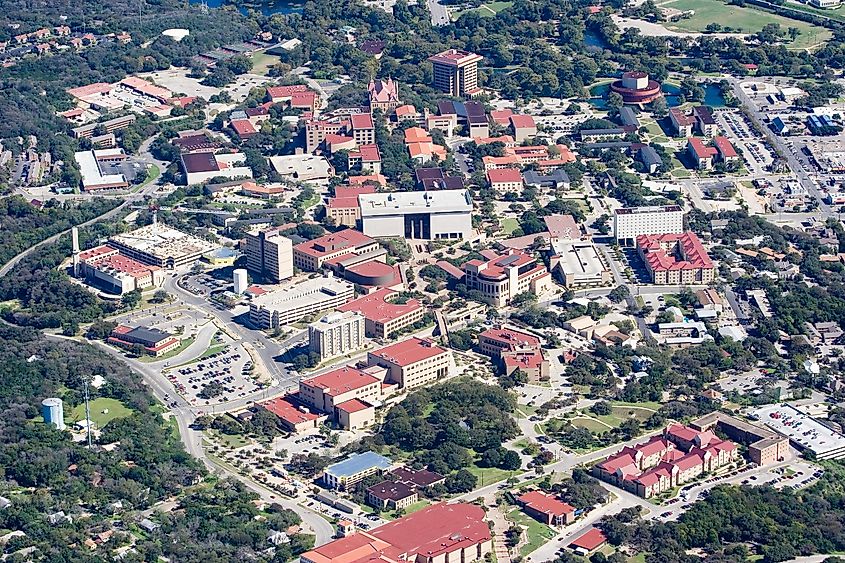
[183, 412]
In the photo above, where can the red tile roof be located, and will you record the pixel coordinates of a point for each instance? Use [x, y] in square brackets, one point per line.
[333, 242]
[409, 351]
[513, 339]
[562, 226]
[547, 504]
[501, 116]
[343, 202]
[504, 175]
[530, 359]
[362, 121]
[353, 405]
[243, 127]
[589, 540]
[303, 99]
[700, 149]
[368, 153]
[724, 146]
[286, 409]
[354, 191]
[522, 122]
[341, 381]
[376, 308]
[654, 250]
[285, 91]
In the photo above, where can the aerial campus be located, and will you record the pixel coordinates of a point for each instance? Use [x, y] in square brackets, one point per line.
[441, 281]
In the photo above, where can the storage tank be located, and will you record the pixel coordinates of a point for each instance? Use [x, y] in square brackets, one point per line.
[53, 412]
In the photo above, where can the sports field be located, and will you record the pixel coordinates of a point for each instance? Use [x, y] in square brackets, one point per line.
[748, 20]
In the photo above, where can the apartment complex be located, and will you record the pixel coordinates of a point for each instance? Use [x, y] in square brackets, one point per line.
[269, 255]
[676, 259]
[699, 119]
[336, 334]
[456, 72]
[313, 254]
[428, 215]
[631, 222]
[383, 314]
[765, 446]
[280, 307]
[441, 533]
[663, 462]
[413, 362]
[503, 277]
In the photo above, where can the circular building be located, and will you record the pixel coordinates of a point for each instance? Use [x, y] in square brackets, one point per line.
[635, 87]
[371, 273]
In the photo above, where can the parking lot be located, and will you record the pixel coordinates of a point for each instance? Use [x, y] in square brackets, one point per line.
[223, 375]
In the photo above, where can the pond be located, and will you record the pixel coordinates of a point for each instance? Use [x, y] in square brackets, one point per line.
[267, 7]
[712, 95]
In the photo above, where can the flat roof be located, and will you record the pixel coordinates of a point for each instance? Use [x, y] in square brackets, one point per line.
[806, 431]
[390, 490]
[437, 529]
[392, 203]
[163, 242]
[308, 290]
[91, 174]
[358, 463]
[562, 226]
[455, 57]
[579, 257]
[648, 209]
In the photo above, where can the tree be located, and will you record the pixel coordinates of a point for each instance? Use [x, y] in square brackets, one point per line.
[461, 482]
[619, 294]
[160, 296]
[511, 461]
[615, 102]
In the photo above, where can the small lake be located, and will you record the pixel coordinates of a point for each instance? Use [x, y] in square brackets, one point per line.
[712, 95]
[267, 7]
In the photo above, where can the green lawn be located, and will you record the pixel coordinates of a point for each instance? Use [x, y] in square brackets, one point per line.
[537, 534]
[487, 10]
[184, 344]
[116, 410]
[153, 172]
[213, 349]
[233, 441]
[262, 62]
[489, 475]
[509, 225]
[419, 505]
[591, 424]
[746, 19]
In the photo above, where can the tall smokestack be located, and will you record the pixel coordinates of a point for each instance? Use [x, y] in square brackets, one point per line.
[74, 234]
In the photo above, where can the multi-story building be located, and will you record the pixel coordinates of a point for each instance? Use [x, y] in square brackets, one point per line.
[391, 495]
[311, 255]
[384, 316]
[505, 276]
[344, 208]
[631, 222]
[765, 446]
[547, 508]
[162, 246]
[523, 127]
[676, 259]
[336, 334]
[104, 267]
[441, 533]
[203, 166]
[579, 264]
[152, 341]
[667, 461]
[503, 180]
[345, 474]
[497, 341]
[277, 308]
[347, 395]
[456, 72]
[384, 95]
[412, 363]
[362, 128]
[429, 215]
[269, 255]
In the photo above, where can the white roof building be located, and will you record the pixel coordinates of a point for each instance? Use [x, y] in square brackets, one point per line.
[302, 167]
[442, 214]
[580, 263]
[92, 174]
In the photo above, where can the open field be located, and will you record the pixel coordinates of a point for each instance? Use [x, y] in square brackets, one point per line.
[591, 424]
[536, 534]
[487, 10]
[262, 62]
[489, 475]
[748, 20]
[184, 344]
[115, 409]
[509, 225]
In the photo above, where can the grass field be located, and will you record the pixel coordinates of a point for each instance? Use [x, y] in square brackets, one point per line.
[748, 20]
[489, 475]
[153, 172]
[231, 440]
[116, 410]
[262, 62]
[536, 533]
[509, 225]
[487, 10]
[593, 425]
